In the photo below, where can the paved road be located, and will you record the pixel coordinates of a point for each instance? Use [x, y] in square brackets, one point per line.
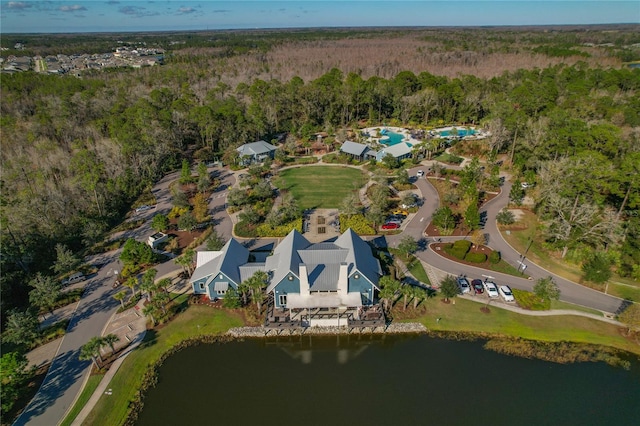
[570, 291]
[66, 374]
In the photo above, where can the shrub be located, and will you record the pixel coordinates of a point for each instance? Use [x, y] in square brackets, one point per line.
[358, 223]
[505, 217]
[177, 212]
[266, 230]
[245, 229]
[494, 257]
[475, 257]
[462, 245]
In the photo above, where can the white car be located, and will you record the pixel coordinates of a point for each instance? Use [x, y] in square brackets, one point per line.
[491, 288]
[420, 173]
[144, 208]
[506, 293]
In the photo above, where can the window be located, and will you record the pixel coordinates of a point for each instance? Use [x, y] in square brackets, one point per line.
[282, 299]
[356, 276]
[201, 286]
[221, 292]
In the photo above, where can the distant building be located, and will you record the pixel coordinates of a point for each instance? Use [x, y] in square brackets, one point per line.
[399, 151]
[156, 239]
[255, 152]
[358, 151]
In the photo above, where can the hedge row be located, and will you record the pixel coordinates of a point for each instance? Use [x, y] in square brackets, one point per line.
[475, 257]
[266, 230]
[358, 223]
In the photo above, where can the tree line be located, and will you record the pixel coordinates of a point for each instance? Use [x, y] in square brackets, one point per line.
[76, 152]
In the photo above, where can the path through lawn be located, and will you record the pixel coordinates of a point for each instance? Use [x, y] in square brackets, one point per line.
[323, 187]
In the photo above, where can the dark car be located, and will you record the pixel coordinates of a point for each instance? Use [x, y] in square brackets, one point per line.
[477, 286]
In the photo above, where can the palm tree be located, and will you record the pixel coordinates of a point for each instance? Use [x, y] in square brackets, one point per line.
[120, 297]
[161, 299]
[110, 339]
[388, 290]
[132, 282]
[148, 282]
[406, 290]
[91, 351]
[151, 310]
[164, 283]
[257, 283]
[419, 294]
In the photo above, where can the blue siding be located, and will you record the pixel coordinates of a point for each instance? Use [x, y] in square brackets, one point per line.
[361, 285]
[196, 285]
[285, 287]
[210, 288]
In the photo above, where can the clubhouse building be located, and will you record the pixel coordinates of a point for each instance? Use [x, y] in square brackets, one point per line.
[310, 284]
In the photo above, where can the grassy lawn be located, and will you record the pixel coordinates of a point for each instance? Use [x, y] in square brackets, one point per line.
[417, 270]
[196, 320]
[320, 187]
[86, 393]
[466, 316]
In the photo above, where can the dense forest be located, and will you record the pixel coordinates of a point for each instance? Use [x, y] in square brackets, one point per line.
[561, 104]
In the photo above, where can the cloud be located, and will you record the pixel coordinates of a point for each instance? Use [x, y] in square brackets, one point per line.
[71, 8]
[18, 5]
[186, 10]
[113, 2]
[136, 11]
[221, 11]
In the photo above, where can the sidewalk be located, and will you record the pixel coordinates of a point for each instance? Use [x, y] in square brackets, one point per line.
[130, 326]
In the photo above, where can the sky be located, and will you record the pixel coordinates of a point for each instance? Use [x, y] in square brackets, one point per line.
[166, 15]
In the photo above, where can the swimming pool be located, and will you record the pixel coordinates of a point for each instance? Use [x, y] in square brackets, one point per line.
[461, 133]
[392, 138]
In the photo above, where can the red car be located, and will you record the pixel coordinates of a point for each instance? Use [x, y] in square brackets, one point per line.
[477, 286]
[390, 225]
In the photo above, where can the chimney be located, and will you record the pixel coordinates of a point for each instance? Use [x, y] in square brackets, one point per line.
[304, 280]
[343, 279]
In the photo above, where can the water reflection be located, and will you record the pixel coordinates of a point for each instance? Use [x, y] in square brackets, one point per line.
[383, 380]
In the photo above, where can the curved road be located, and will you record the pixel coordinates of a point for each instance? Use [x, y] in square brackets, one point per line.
[569, 291]
[96, 307]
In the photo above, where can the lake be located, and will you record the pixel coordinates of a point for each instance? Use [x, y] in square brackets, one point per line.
[383, 380]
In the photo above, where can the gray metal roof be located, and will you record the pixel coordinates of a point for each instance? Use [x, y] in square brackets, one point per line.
[354, 148]
[287, 259]
[323, 260]
[323, 277]
[233, 255]
[397, 150]
[255, 148]
[247, 270]
[359, 253]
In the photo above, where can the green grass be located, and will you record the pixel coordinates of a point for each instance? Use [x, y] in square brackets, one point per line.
[86, 393]
[322, 186]
[417, 270]
[466, 316]
[195, 321]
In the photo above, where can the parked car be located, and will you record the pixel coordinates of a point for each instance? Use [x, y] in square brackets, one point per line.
[401, 212]
[505, 292]
[408, 206]
[420, 173]
[394, 217]
[463, 285]
[143, 208]
[390, 225]
[74, 278]
[477, 286]
[491, 288]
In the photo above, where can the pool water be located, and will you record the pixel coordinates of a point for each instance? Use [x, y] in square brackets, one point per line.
[461, 133]
[394, 138]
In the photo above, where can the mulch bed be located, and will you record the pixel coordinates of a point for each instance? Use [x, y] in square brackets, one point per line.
[439, 249]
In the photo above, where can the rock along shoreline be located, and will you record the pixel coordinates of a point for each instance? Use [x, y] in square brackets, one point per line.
[393, 328]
